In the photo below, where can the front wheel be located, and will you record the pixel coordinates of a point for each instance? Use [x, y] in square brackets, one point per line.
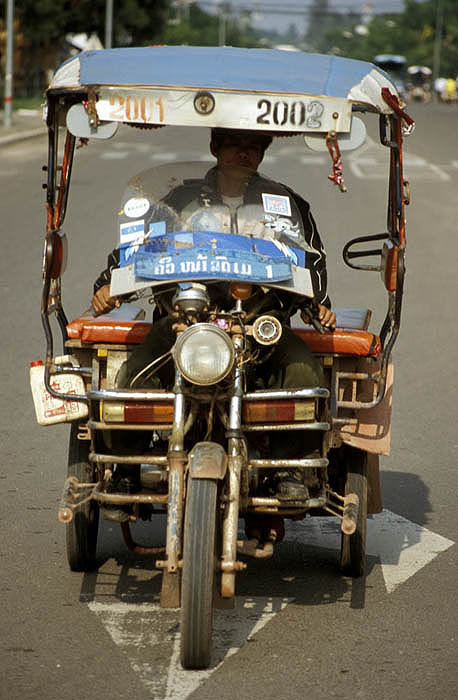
[353, 547]
[83, 529]
[199, 566]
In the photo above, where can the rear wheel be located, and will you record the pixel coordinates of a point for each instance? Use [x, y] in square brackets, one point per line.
[83, 529]
[199, 567]
[353, 547]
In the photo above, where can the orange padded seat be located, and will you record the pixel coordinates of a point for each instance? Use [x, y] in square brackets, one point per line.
[341, 342]
[98, 330]
[121, 327]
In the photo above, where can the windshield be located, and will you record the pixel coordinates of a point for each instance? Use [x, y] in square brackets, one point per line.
[196, 221]
[191, 197]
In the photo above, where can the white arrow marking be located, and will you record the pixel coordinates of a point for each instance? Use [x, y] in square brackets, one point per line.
[403, 547]
[149, 635]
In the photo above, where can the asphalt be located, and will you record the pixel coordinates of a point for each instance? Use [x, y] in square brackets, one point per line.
[26, 123]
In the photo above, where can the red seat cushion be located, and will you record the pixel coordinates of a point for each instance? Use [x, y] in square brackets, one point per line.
[93, 330]
[341, 342]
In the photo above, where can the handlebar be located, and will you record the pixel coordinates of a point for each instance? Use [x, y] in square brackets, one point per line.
[311, 311]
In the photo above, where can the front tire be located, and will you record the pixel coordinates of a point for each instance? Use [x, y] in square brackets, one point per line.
[353, 547]
[199, 566]
[82, 531]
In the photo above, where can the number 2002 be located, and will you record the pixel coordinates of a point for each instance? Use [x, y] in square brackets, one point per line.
[295, 114]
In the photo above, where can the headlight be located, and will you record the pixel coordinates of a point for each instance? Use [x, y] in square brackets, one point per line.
[204, 354]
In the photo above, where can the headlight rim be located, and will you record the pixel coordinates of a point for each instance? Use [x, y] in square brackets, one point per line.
[217, 332]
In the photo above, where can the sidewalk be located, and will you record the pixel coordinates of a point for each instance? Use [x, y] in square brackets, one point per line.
[26, 123]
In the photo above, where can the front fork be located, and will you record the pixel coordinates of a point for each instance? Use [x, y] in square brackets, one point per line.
[177, 458]
[171, 578]
[237, 459]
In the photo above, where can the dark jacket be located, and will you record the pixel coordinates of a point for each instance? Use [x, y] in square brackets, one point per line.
[206, 191]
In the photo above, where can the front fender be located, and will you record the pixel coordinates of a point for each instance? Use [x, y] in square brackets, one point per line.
[207, 460]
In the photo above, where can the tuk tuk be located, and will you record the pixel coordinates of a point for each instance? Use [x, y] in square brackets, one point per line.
[419, 83]
[395, 66]
[207, 456]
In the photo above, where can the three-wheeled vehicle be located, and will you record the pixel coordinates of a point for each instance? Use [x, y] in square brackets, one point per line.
[395, 66]
[419, 83]
[207, 458]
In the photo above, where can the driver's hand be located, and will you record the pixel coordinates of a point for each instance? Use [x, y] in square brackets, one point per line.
[326, 317]
[103, 302]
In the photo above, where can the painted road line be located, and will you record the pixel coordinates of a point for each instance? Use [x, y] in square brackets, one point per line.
[149, 636]
[402, 547]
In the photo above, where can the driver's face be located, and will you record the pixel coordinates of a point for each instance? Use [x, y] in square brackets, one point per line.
[240, 150]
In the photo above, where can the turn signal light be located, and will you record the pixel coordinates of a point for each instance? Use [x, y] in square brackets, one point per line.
[389, 265]
[55, 254]
[278, 411]
[136, 412]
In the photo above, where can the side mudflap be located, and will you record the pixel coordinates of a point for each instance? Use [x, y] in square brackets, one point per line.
[207, 460]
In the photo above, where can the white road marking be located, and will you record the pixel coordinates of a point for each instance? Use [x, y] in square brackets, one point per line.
[403, 547]
[165, 156]
[315, 160]
[114, 155]
[362, 163]
[146, 633]
[150, 638]
[369, 168]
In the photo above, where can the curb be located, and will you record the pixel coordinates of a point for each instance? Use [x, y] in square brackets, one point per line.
[20, 135]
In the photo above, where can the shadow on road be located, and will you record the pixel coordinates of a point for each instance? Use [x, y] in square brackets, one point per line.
[308, 574]
[406, 494]
[299, 569]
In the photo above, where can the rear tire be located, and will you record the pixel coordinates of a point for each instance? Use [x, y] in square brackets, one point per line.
[353, 547]
[82, 531]
[199, 567]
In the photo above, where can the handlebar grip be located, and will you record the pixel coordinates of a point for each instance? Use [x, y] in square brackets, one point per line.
[318, 326]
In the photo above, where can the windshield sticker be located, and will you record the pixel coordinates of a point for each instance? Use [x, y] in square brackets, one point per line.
[297, 256]
[280, 224]
[135, 207]
[128, 252]
[276, 204]
[132, 231]
[157, 228]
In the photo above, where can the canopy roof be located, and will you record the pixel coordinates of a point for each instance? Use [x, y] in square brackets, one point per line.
[226, 68]
[261, 89]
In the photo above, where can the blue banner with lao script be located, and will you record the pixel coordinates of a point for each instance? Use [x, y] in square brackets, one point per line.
[207, 255]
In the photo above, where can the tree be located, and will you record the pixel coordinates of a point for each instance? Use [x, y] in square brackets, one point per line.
[411, 33]
[45, 24]
[322, 24]
[200, 28]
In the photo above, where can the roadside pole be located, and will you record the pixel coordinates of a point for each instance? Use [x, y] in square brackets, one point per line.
[8, 96]
[438, 40]
[108, 24]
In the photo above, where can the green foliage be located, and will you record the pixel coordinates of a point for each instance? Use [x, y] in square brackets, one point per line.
[411, 33]
[41, 27]
[47, 21]
[199, 28]
[323, 23]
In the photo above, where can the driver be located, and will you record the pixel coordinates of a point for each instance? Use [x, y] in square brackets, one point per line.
[291, 364]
